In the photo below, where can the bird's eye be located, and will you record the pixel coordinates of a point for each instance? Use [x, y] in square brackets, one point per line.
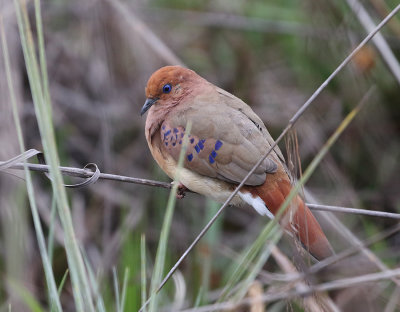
[167, 88]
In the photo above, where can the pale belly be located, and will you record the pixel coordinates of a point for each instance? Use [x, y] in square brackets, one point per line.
[215, 189]
[220, 191]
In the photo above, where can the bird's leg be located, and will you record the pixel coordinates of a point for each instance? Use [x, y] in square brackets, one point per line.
[181, 191]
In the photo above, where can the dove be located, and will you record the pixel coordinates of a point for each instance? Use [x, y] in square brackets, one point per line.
[226, 140]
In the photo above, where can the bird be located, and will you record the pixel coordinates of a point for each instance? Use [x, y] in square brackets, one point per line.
[226, 140]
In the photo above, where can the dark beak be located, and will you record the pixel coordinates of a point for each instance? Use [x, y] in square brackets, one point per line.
[149, 102]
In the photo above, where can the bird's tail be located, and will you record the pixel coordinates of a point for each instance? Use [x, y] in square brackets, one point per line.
[297, 218]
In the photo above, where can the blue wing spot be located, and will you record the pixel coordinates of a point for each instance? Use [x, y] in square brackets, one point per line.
[212, 160]
[167, 133]
[180, 142]
[173, 144]
[197, 148]
[182, 134]
[163, 127]
[191, 140]
[166, 143]
[213, 154]
[176, 130]
[200, 144]
[218, 145]
[190, 157]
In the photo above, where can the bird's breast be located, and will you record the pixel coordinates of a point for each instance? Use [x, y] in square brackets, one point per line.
[214, 188]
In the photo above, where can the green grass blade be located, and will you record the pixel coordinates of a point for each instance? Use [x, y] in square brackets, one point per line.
[42, 55]
[64, 278]
[162, 246]
[116, 289]
[51, 285]
[124, 289]
[50, 239]
[98, 299]
[32, 303]
[199, 297]
[206, 250]
[143, 269]
[247, 259]
[263, 256]
[81, 289]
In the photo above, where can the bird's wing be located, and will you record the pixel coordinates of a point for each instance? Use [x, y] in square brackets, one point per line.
[226, 141]
[239, 105]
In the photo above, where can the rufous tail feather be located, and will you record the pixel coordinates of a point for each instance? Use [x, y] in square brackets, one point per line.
[298, 218]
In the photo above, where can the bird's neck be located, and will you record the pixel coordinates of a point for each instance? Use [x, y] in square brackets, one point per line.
[155, 118]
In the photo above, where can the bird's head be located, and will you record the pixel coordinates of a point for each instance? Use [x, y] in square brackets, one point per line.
[167, 86]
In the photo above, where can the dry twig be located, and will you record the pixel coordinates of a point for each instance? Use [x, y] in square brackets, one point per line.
[87, 174]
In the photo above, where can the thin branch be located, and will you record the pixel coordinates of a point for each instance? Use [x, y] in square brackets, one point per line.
[337, 284]
[311, 303]
[365, 212]
[290, 278]
[86, 174]
[352, 250]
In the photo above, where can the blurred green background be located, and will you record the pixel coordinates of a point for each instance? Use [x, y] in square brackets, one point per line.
[271, 54]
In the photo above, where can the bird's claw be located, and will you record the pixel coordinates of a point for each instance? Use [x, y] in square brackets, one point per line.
[181, 191]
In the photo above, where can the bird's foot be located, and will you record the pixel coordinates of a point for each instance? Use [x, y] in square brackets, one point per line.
[181, 191]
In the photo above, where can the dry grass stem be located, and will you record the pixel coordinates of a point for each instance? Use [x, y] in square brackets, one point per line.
[145, 33]
[379, 41]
